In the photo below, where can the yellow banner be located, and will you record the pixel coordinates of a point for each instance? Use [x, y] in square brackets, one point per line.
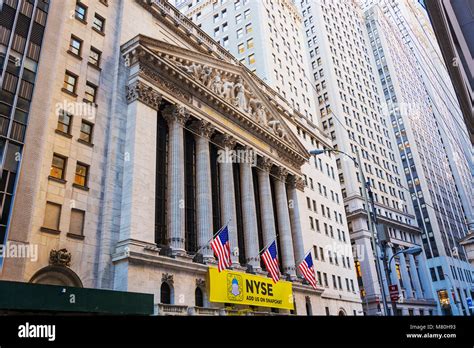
[248, 289]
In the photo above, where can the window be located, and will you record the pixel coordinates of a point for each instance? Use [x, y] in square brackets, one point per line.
[240, 33]
[94, 57]
[238, 19]
[75, 45]
[241, 48]
[64, 122]
[247, 14]
[91, 92]
[70, 82]
[86, 132]
[250, 43]
[198, 298]
[76, 226]
[252, 59]
[52, 216]
[225, 42]
[58, 167]
[99, 23]
[81, 11]
[82, 170]
[248, 28]
[165, 293]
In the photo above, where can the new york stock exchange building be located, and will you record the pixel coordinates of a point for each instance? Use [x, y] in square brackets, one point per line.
[187, 140]
[210, 147]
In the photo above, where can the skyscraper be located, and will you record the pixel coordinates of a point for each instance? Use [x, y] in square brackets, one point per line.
[353, 113]
[432, 141]
[268, 37]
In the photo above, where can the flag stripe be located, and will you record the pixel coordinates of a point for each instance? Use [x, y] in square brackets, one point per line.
[270, 259]
[307, 269]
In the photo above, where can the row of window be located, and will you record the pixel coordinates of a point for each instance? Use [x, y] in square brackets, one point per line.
[58, 171]
[75, 48]
[336, 282]
[70, 87]
[81, 11]
[52, 219]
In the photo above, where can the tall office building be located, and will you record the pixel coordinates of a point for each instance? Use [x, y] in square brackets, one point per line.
[431, 140]
[267, 36]
[21, 33]
[353, 113]
[151, 138]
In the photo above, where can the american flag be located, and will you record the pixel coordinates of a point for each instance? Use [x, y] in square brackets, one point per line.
[307, 269]
[270, 259]
[220, 245]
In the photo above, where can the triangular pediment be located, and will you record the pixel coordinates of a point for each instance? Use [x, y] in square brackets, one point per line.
[229, 84]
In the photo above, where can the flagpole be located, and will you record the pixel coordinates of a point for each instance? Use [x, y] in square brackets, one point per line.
[274, 240]
[306, 254]
[215, 234]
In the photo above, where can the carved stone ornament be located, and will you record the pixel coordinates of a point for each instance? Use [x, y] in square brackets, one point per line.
[167, 278]
[236, 92]
[205, 129]
[176, 113]
[144, 93]
[297, 182]
[282, 173]
[265, 164]
[200, 282]
[60, 257]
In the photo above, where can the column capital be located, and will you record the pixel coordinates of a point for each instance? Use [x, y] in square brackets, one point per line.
[282, 173]
[227, 140]
[265, 164]
[144, 93]
[297, 182]
[204, 129]
[177, 113]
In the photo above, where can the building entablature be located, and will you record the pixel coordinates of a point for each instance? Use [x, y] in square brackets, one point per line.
[214, 91]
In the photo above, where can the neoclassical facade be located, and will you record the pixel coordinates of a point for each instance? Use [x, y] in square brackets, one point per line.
[208, 147]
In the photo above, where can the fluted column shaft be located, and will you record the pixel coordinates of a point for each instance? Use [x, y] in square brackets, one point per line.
[296, 231]
[249, 215]
[405, 276]
[266, 202]
[204, 189]
[176, 117]
[415, 277]
[424, 277]
[227, 197]
[393, 268]
[286, 240]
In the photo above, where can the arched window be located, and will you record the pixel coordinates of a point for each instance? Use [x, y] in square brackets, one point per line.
[342, 312]
[309, 308]
[198, 297]
[165, 293]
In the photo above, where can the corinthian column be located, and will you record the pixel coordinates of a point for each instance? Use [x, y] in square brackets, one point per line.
[297, 233]
[203, 188]
[393, 268]
[415, 277]
[227, 194]
[266, 200]
[175, 206]
[249, 212]
[405, 276]
[286, 240]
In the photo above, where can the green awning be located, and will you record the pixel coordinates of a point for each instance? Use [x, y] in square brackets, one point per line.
[17, 296]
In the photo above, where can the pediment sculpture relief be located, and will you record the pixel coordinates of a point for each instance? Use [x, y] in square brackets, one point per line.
[236, 93]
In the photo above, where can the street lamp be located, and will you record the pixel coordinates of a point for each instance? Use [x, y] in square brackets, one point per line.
[411, 251]
[366, 192]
